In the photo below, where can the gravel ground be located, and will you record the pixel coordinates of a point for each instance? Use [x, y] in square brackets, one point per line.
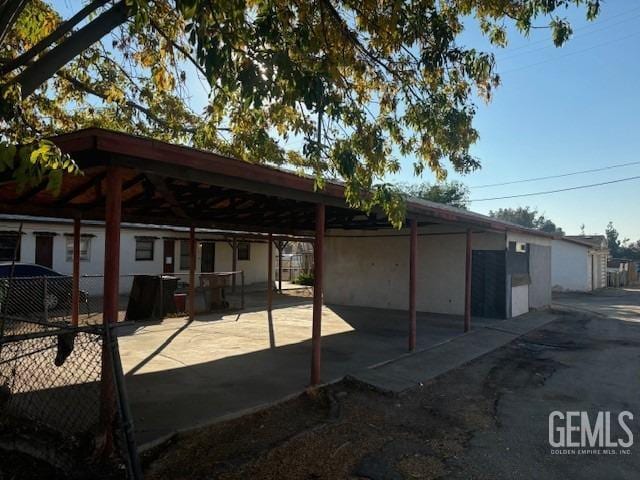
[488, 419]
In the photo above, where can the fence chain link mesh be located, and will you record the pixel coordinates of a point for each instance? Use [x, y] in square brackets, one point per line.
[51, 384]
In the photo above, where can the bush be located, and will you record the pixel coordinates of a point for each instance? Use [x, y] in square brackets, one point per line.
[304, 279]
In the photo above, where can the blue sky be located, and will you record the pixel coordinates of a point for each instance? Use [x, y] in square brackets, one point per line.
[564, 110]
[557, 111]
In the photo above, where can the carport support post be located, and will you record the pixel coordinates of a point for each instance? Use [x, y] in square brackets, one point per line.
[467, 284]
[280, 247]
[413, 254]
[75, 286]
[270, 275]
[234, 262]
[318, 270]
[192, 272]
[113, 211]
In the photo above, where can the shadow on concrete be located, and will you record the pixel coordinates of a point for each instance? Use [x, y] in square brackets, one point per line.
[188, 396]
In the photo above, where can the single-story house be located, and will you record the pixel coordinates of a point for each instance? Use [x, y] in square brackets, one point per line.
[579, 263]
[144, 250]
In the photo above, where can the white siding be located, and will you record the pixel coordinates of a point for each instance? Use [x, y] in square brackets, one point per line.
[570, 265]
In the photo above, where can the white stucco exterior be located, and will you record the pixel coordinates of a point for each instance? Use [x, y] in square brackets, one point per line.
[372, 269]
[255, 269]
[519, 300]
[577, 267]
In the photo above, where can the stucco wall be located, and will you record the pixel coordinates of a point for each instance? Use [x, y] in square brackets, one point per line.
[364, 269]
[519, 300]
[570, 266]
[255, 268]
[540, 273]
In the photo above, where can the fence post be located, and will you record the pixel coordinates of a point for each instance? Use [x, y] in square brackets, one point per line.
[45, 289]
[131, 455]
[75, 279]
[242, 289]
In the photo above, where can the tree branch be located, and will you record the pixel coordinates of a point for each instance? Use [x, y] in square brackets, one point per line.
[184, 52]
[141, 108]
[57, 34]
[9, 11]
[52, 61]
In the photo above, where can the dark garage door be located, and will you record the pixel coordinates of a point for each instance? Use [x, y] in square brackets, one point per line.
[488, 284]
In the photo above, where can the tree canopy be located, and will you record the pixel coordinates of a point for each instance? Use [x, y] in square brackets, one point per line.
[527, 217]
[360, 84]
[453, 193]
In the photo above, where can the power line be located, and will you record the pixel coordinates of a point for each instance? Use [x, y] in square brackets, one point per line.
[571, 53]
[535, 179]
[548, 46]
[589, 26]
[558, 190]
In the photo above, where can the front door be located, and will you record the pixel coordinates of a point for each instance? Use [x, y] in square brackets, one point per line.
[207, 261]
[488, 284]
[44, 250]
[169, 253]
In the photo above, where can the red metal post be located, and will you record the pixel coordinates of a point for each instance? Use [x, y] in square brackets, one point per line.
[270, 275]
[318, 270]
[234, 262]
[113, 211]
[75, 281]
[192, 272]
[467, 284]
[413, 254]
[280, 247]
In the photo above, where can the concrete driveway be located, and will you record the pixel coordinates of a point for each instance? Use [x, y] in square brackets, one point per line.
[618, 303]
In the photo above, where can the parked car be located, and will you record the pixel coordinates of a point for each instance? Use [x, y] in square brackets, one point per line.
[33, 289]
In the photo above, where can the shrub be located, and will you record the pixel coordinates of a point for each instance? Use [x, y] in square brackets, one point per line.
[304, 279]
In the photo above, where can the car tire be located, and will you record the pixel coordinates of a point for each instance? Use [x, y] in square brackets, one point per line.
[51, 301]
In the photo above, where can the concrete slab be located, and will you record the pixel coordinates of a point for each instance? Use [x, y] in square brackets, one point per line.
[181, 374]
[619, 303]
[416, 369]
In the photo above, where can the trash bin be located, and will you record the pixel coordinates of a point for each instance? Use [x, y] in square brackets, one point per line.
[151, 297]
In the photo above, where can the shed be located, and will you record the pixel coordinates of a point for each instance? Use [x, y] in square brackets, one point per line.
[579, 263]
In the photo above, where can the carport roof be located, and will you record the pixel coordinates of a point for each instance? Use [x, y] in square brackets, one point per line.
[171, 184]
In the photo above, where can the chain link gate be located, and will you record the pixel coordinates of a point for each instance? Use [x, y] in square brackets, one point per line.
[54, 389]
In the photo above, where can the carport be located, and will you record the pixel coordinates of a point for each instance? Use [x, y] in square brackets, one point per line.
[133, 179]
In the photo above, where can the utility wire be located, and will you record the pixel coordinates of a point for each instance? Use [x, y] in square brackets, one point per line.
[572, 39]
[556, 191]
[589, 26]
[535, 179]
[570, 53]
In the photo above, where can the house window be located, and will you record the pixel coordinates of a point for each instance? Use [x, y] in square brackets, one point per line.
[184, 255]
[243, 250]
[144, 249]
[8, 244]
[85, 248]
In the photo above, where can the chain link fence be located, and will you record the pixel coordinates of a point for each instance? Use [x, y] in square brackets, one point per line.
[53, 393]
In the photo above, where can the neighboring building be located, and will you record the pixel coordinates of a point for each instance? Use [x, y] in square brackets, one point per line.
[511, 271]
[622, 272]
[579, 263]
[144, 249]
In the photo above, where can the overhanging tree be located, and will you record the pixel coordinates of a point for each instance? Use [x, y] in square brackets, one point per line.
[359, 83]
[453, 193]
[527, 217]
